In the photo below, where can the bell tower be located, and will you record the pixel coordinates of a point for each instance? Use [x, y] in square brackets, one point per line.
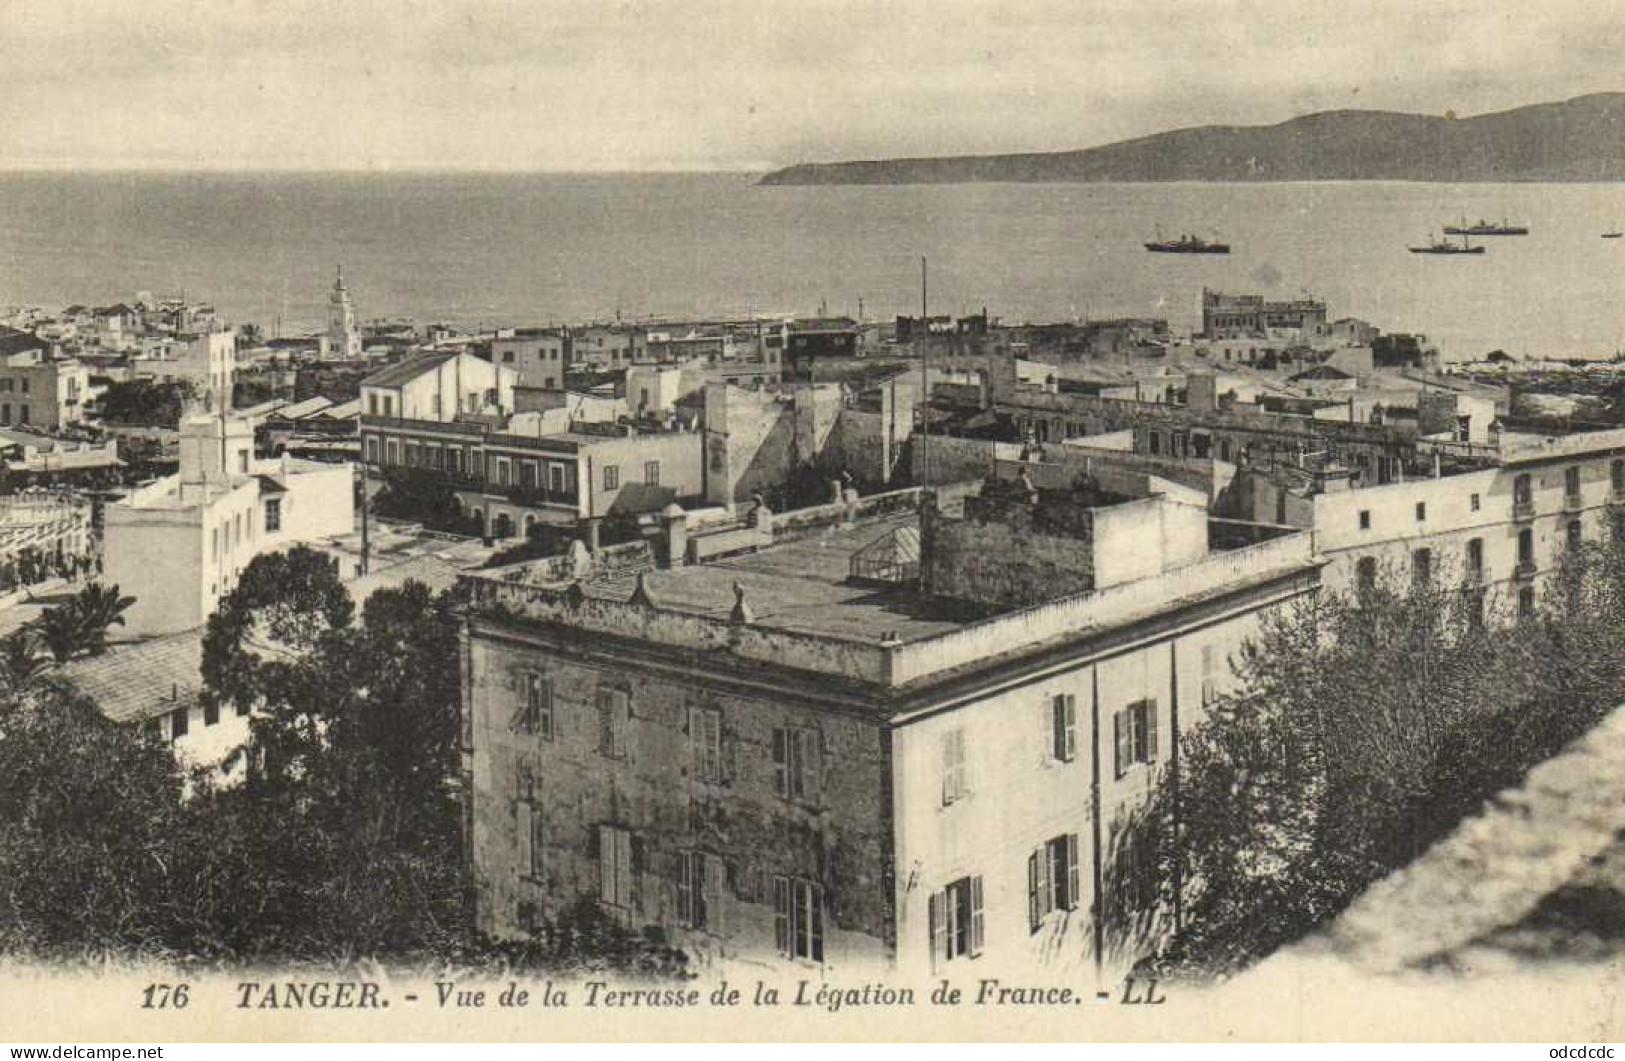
[343, 337]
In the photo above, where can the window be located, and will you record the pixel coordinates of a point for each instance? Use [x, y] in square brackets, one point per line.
[1571, 483]
[1526, 602]
[795, 762]
[180, 720]
[956, 920]
[954, 785]
[372, 451]
[1473, 502]
[1522, 491]
[1365, 519]
[273, 515]
[528, 828]
[1052, 878]
[1616, 476]
[392, 451]
[1526, 549]
[1421, 568]
[613, 714]
[614, 867]
[242, 461]
[555, 478]
[1475, 559]
[1135, 731]
[1616, 520]
[372, 405]
[798, 918]
[211, 711]
[1156, 443]
[507, 357]
[535, 713]
[612, 477]
[651, 473]
[1421, 511]
[705, 728]
[1064, 727]
[701, 883]
[1576, 534]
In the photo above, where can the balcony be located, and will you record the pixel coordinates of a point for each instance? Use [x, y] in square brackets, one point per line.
[1524, 571]
[1573, 502]
[1616, 496]
[1523, 510]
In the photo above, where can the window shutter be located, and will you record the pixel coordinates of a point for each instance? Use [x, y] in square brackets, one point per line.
[781, 914]
[622, 721]
[715, 897]
[524, 828]
[1120, 740]
[1071, 726]
[1072, 891]
[1058, 727]
[685, 890]
[815, 903]
[1046, 880]
[697, 867]
[606, 864]
[1150, 731]
[954, 904]
[1033, 915]
[781, 762]
[976, 925]
[544, 707]
[606, 732]
[939, 927]
[623, 865]
[808, 775]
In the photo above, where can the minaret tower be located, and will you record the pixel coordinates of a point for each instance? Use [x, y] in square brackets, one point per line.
[343, 337]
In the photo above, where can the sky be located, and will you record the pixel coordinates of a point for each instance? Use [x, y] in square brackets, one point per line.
[607, 85]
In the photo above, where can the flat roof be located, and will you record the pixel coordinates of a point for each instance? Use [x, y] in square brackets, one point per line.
[799, 586]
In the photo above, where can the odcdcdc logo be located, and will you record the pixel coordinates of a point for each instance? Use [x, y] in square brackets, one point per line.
[1583, 1051]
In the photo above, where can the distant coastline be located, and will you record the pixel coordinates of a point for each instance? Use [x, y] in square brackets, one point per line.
[1581, 140]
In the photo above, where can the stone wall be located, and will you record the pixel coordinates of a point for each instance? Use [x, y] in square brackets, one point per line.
[1002, 562]
[838, 836]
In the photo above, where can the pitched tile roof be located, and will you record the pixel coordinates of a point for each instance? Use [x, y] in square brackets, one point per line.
[407, 370]
[144, 679]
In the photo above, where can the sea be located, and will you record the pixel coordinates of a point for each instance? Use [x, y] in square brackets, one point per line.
[480, 251]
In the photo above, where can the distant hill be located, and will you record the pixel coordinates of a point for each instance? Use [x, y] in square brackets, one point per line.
[1580, 139]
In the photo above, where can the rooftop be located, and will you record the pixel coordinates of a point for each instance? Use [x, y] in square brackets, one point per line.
[143, 679]
[800, 585]
[791, 604]
[408, 370]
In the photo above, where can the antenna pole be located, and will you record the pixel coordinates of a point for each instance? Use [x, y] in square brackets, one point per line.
[925, 383]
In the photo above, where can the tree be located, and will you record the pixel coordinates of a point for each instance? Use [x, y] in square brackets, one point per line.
[99, 607]
[283, 605]
[88, 812]
[22, 667]
[143, 403]
[79, 625]
[1360, 731]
